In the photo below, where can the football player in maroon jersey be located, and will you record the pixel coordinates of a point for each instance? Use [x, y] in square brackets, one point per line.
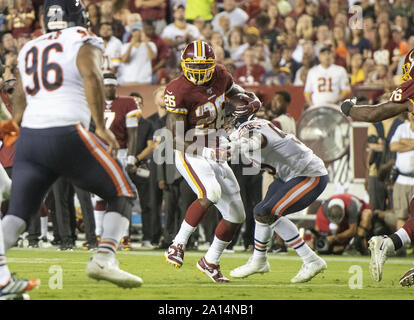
[194, 102]
[121, 118]
[401, 100]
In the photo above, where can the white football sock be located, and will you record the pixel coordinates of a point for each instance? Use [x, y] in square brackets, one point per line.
[262, 236]
[288, 231]
[184, 233]
[114, 225]
[43, 226]
[4, 270]
[13, 227]
[216, 250]
[99, 218]
[403, 235]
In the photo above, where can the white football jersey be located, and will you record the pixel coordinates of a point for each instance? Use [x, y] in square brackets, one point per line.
[51, 80]
[112, 54]
[325, 85]
[283, 153]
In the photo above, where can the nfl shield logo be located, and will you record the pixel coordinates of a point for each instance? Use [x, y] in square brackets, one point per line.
[209, 90]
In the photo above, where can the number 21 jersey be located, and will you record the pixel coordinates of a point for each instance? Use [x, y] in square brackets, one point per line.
[54, 88]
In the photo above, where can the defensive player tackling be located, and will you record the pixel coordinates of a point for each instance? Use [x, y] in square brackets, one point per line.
[300, 177]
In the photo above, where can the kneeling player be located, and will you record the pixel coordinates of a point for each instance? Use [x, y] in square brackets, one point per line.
[301, 178]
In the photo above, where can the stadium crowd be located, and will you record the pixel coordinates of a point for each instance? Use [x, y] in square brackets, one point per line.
[261, 42]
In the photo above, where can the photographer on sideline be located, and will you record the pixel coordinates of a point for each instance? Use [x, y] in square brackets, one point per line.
[341, 218]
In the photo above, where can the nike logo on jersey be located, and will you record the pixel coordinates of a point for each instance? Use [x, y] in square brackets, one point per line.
[169, 92]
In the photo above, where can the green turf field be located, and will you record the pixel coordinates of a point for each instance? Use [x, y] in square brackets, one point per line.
[163, 282]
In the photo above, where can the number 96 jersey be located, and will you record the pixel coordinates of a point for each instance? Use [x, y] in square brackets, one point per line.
[202, 104]
[51, 80]
[403, 93]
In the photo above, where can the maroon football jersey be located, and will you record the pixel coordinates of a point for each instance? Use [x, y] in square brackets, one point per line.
[403, 93]
[203, 104]
[121, 114]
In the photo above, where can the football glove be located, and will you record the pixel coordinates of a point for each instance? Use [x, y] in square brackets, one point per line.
[347, 105]
[10, 131]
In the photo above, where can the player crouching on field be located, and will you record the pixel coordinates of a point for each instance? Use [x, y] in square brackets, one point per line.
[300, 177]
[351, 217]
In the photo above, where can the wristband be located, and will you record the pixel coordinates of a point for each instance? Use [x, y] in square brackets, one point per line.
[131, 160]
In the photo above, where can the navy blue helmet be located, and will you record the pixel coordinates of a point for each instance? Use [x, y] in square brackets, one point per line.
[61, 14]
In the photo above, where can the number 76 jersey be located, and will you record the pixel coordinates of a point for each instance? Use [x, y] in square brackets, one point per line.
[403, 93]
[51, 80]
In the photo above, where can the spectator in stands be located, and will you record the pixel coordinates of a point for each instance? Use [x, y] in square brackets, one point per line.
[280, 116]
[121, 11]
[136, 58]
[402, 142]
[199, 8]
[345, 216]
[276, 21]
[358, 44]
[178, 34]
[4, 11]
[384, 46]
[299, 9]
[155, 10]
[132, 18]
[357, 72]
[323, 37]
[369, 30]
[236, 15]
[339, 43]
[304, 28]
[402, 22]
[112, 49]
[21, 17]
[9, 44]
[326, 83]
[289, 25]
[159, 73]
[94, 12]
[308, 61]
[237, 45]
[107, 16]
[312, 9]
[251, 73]
[277, 75]
[397, 37]
[218, 41]
[289, 62]
[267, 35]
[207, 31]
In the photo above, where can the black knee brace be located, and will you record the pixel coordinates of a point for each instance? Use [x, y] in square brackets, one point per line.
[266, 218]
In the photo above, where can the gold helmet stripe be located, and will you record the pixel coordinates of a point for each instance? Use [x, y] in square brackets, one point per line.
[199, 49]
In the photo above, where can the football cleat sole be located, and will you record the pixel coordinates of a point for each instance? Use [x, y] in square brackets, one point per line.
[407, 280]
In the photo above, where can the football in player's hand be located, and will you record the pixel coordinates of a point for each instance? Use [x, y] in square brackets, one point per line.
[244, 104]
[239, 100]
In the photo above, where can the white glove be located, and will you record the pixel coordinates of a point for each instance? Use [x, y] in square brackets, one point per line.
[209, 154]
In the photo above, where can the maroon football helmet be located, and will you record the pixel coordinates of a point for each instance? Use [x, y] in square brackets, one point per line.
[408, 66]
[198, 62]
